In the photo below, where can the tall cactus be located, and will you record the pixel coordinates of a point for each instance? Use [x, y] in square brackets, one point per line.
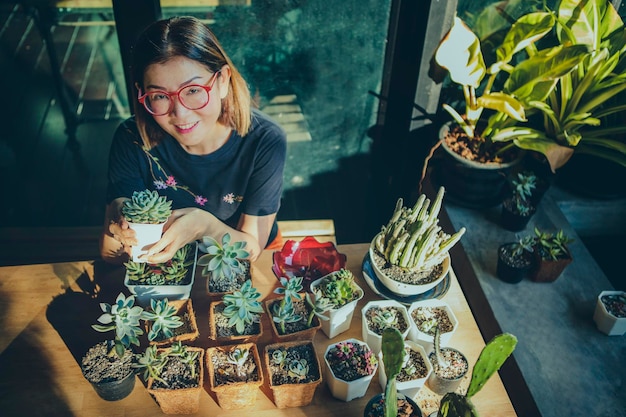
[413, 239]
[489, 362]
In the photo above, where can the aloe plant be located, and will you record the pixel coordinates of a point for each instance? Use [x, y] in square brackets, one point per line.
[489, 362]
[242, 307]
[164, 319]
[413, 239]
[147, 207]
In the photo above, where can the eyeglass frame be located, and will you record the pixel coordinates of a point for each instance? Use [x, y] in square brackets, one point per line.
[207, 88]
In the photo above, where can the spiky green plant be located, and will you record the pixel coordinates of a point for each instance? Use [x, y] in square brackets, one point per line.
[392, 346]
[123, 317]
[147, 207]
[283, 312]
[242, 307]
[489, 362]
[172, 272]
[164, 319]
[413, 239]
[339, 288]
[551, 245]
[152, 362]
[224, 260]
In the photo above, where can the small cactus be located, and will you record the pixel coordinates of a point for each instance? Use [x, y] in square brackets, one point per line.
[147, 207]
[392, 346]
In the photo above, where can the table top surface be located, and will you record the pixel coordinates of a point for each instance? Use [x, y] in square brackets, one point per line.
[47, 310]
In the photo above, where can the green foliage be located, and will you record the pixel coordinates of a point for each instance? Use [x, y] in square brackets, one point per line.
[551, 245]
[123, 317]
[392, 346]
[523, 185]
[299, 369]
[172, 272]
[318, 306]
[413, 239]
[242, 307]
[164, 319]
[154, 361]
[283, 313]
[338, 288]
[223, 260]
[147, 207]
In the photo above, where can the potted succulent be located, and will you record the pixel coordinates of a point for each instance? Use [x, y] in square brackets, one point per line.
[175, 376]
[293, 372]
[449, 367]
[146, 212]
[172, 279]
[237, 318]
[491, 358]
[226, 264]
[610, 313]
[415, 370]
[350, 367]
[515, 260]
[377, 315]
[294, 316]
[425, 315]
[518, 208]
[235, 374]
[171, 321]
[551, 255]
[410, 254]
[340, 290]
[391, 403]
[108, 365]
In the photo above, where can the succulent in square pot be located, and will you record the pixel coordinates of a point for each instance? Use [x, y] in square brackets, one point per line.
[350, 367]
[519, 207]
[235, 374]
[339, 290]
[391, 402]
[174, 376]
[293, 372]
[515, 260]
[171, 321]
[610, 313]
[146, 212]
[552, 255]
[377, 315]
[425, 315]
[491, 358]
[226, 264]
[410, 254]
[416, 369]
[449, 367]
[237, 318]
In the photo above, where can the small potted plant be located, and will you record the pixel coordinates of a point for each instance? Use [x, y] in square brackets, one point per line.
[551, 255]
[171, 321]
[610, 313]
[237, 318]
[518, 208]
[391, 403]
[350, 367]
[175, 376]
[377, 315]
[146, 212]
[226, 264]
[515, 260]
[449, 367]
[108, 365]
[235, 374]
[491, 358]
[293, 372]
[292, 317]
[414, 372]
[410, 254]
[172, 279]
[340, 290]
[425, 315]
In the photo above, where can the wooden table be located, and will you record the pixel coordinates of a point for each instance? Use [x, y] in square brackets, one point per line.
[46, 313]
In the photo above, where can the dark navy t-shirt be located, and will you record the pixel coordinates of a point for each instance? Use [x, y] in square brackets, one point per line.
[244, 176]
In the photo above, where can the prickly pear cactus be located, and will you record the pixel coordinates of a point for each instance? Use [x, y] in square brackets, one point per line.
[392, 346]
[147, 207]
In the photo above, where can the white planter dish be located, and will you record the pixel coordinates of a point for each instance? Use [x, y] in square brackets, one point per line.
[339, 319]
[404, 289]
[412, 387]
[346, 390]
[372, 338]
[425, 339]
[147, 235]
[606, 322]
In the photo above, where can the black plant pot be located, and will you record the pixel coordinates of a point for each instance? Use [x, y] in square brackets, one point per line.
[511, 219]
[513, 269]
[115, 390]
[374, 407]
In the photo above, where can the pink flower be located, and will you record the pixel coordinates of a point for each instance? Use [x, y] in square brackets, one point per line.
[171, 181]
[200, 200]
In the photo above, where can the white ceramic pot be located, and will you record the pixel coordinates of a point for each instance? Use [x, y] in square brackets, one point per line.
[339, 319]
[147, 235]
[346, 390]
[404, 289]
[425, 339]
[441, 385]
[606, 322]
[372, 338]
[412, 387]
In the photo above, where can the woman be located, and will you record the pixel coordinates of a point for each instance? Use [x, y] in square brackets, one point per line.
[196, 140]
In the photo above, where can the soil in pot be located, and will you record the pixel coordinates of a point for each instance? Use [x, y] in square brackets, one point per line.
[406, 407]
[219, 285]
[513, 268]
[511, 219]
[423, 316]
[447, 378]
[374, 324]
[222, 331]
[407, 276]
[112, 377]
[615, 304]
[301, 308]
[188, 331]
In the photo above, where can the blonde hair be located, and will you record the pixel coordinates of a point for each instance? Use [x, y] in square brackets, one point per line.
[190, 38]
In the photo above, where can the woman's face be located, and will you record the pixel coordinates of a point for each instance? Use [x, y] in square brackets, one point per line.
[196, 130]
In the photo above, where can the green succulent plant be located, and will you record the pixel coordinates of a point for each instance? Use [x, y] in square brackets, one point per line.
[223, 260]
[164, 319]
[147, 207]
[413, 239]
[123, 316]
[172, 272]
[392, 347]
[551, 245]
[339, 288]
[283, 312]
[523, 185]
[298, 369]
[153, 361]
[242, 307]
